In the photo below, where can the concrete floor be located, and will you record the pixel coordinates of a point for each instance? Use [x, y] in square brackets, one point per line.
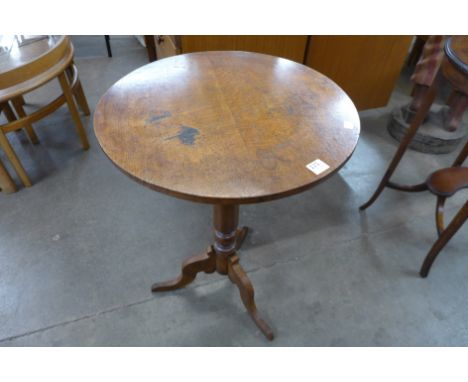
[80, 249]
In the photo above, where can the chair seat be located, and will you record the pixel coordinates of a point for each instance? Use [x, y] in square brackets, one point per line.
[448, 181]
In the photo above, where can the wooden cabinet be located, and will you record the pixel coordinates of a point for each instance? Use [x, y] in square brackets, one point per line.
[291, 47]
[366, 67]
[166, 46]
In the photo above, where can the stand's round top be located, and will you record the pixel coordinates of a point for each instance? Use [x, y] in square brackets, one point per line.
[227, 127]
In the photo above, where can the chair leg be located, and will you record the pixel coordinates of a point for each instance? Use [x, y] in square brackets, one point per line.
[443, 239]
[11, 155]
[439, 215]
[73, 109]
[78, 92]
[18, 105]
[415, 123]
[9, 114]
[81, 99]
[21, 100]
[108, 46]
[6, 183]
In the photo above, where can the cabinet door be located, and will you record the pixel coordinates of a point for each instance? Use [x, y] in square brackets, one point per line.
[166, 46]
[291, 47]
[366, 67]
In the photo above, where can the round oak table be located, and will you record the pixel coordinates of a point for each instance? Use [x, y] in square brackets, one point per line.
[226, 128]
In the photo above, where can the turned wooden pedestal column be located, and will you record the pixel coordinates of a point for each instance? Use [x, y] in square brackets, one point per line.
[226, 129]
[221, 256]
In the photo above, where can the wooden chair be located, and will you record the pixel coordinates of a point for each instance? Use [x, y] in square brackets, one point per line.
[56, 63]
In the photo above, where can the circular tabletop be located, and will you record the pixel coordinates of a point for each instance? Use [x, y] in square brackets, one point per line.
[20, 55]
[227, 127]
[26, 66]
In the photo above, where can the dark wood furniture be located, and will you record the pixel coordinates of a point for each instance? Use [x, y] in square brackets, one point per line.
[25, 69]
[108, 45]
[416, 50]
[150, 47]
[447, 181]
[365, 67]
[455, 70]
[226, 128]
[291, 47]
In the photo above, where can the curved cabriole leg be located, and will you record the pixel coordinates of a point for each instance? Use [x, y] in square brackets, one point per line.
[443, 239]
[241, 234]
[238, 276]
[416, 121]
[205, 262]
[221, 257]
[440, 214]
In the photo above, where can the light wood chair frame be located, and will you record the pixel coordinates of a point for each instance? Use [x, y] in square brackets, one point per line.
[57, 63]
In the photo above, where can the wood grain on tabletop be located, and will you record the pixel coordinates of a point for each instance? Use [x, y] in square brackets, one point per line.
[226, 127]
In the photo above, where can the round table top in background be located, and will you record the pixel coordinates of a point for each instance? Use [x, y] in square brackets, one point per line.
[22, 55]
[226, 127]
[27, 67]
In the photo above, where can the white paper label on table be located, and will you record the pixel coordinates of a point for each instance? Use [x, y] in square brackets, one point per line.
[318, 166]
[348, 125]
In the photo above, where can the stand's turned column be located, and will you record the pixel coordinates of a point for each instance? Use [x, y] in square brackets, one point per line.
[225, 222]
[221, 256]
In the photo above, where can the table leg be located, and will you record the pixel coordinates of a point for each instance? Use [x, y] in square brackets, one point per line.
[18, 105]
[221, 256]
[241, 235]
[14, 160]
[108, 46]
[205, 262]
[67, 92]
[6, 183]
[445, 236]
